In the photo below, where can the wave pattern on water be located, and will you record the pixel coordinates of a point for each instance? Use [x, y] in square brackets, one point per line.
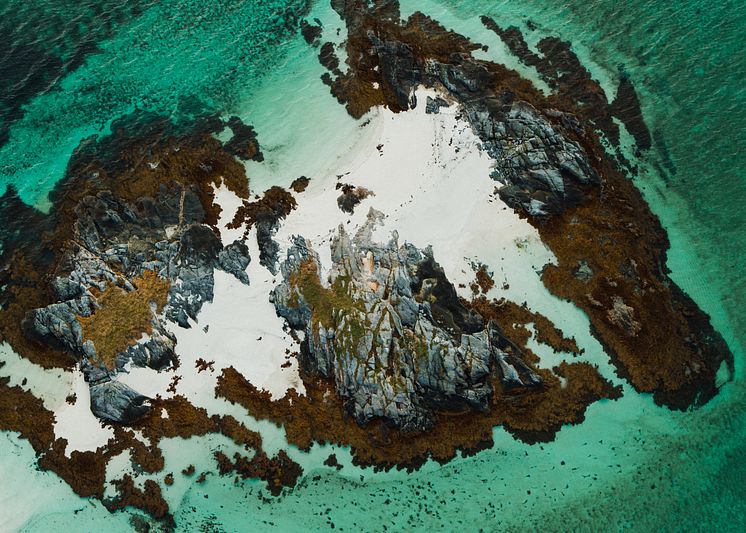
[41, 45]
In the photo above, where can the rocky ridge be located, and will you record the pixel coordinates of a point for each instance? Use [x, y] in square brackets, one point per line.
[388, 330]
[116, 242]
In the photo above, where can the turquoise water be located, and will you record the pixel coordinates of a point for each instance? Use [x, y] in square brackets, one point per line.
[174, 57]
[631, 465]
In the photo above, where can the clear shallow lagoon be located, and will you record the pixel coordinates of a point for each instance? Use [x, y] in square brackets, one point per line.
[631, 464]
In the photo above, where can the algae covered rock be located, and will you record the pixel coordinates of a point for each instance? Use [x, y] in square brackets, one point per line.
[388, 328]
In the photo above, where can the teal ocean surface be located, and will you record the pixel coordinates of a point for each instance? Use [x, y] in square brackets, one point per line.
[68, 69]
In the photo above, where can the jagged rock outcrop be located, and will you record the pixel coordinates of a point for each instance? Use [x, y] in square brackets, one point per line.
[390, 331]
[564, 73]
[542, 171]
[117, 243]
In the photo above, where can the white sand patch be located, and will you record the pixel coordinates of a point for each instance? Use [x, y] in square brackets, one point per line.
[431, 180]
[76, 423]
[239, 328]
[51, 386]
[147, 381]
[115, 469]
[229, 203]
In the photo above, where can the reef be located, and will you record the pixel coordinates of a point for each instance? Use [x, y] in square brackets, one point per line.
[129, 247]
[322, 416]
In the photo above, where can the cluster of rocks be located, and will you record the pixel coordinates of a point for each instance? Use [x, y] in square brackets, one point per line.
[542, 171]
[389, 329]
[541, 168]
[115, 242]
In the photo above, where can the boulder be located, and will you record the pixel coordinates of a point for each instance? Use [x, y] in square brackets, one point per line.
[114, 401]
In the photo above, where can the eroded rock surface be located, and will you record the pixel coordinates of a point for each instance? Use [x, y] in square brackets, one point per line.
[115, 243]
[543, 172]
[389, 329]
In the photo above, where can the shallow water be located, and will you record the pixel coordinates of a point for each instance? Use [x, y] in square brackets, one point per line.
[630, 465]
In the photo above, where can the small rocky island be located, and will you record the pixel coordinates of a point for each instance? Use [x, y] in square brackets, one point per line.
[391, 355]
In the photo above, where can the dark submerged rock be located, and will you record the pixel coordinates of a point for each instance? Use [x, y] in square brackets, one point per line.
[243, 144]
[311, 32]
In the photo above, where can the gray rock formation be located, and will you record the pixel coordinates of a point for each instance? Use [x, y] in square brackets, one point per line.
[433, 105]
[399, 69]
[542, 170]
[388, 328]
[114, 243]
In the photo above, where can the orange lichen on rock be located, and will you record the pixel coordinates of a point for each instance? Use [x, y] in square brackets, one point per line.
[122, 317]
[142, 167]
